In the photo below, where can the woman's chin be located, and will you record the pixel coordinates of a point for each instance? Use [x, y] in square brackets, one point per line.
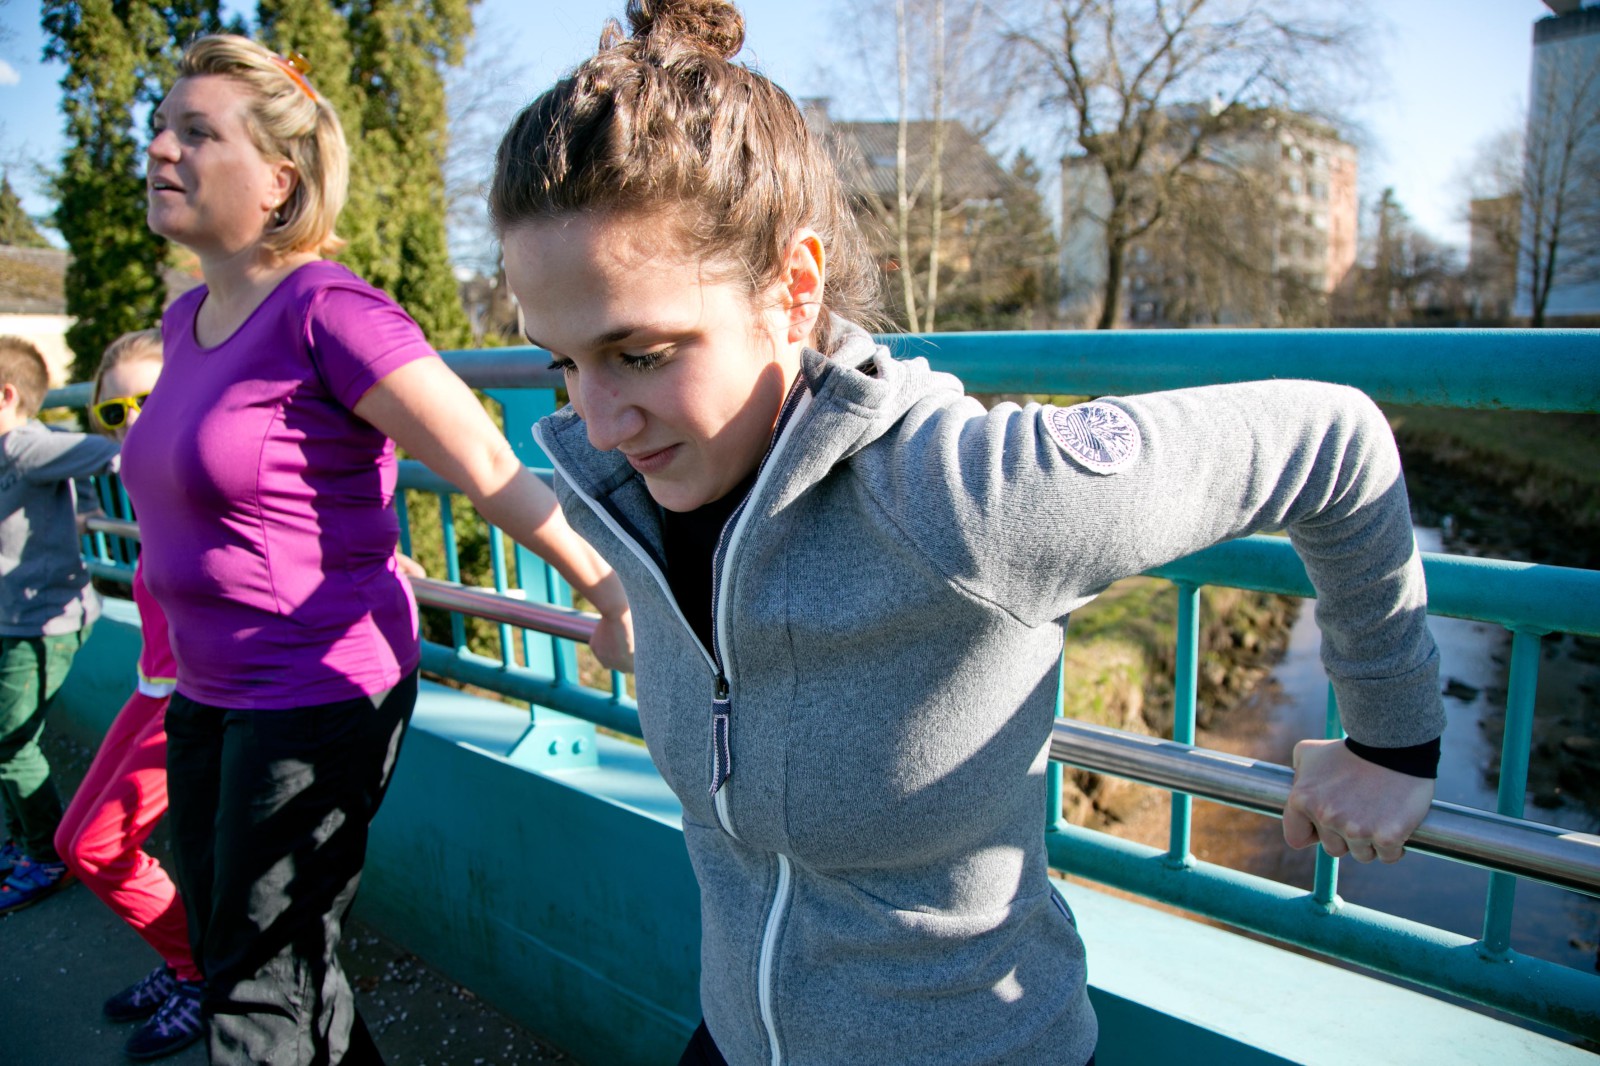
[675, 495]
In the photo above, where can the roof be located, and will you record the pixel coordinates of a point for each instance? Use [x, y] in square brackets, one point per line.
[32, 280]
[865, 155]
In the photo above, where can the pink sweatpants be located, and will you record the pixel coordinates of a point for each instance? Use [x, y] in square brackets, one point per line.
[102, 834]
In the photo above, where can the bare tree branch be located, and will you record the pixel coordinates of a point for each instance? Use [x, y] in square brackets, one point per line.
[1143, 87]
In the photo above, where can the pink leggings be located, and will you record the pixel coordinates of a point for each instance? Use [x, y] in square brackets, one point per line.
[102, 834]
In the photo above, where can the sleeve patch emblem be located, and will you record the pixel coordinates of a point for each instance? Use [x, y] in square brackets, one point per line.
[1100, 437]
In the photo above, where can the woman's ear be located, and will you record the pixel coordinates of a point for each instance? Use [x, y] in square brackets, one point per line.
[284, 179]
[804, 273]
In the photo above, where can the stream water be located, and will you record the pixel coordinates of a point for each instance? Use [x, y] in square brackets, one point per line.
[1549, 923]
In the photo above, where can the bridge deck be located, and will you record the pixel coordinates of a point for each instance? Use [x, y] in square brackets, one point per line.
[1165, 987]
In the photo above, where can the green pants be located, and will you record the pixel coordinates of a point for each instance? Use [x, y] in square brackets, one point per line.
[31, 670]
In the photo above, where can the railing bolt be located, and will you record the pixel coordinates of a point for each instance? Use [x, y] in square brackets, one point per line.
[555, 746]
[578, 747]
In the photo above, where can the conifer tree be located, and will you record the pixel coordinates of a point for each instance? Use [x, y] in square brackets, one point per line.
[381, 65]
[16, 228]
[118, 58]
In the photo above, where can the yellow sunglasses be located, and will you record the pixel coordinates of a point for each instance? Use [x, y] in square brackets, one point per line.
[114, 413]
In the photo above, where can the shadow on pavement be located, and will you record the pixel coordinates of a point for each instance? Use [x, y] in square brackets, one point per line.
[65, 954]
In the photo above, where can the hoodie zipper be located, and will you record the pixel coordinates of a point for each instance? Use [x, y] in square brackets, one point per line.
[794, 404]
[727, 544]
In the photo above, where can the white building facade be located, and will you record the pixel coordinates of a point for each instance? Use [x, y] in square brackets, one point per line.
[1559, 246]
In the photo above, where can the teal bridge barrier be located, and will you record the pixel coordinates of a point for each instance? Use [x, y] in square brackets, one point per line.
[1549, 370]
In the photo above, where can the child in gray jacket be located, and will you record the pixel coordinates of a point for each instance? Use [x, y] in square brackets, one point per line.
[46, 609]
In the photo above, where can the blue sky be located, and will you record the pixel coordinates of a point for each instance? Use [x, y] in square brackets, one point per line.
[1453, 72]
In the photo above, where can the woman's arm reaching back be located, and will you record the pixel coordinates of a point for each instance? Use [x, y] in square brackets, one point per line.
[433, 415]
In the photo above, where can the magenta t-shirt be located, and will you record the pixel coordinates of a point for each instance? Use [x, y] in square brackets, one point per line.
[264, 502]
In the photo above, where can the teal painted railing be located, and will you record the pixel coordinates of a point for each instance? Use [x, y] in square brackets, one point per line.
[1557, 371]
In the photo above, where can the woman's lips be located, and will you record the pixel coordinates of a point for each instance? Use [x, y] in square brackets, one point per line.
[653, 462]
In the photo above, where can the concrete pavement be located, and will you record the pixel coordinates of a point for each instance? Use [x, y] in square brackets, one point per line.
[61, 957]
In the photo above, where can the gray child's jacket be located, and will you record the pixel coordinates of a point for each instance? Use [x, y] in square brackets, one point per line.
[44, 587]
[888, 619]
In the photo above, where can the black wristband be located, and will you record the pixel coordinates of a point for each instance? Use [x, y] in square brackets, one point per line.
[1418, 760]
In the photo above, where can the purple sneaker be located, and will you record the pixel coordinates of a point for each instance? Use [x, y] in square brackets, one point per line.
[142, 998]
[10, 857]
[176, 1024]
[30, 882]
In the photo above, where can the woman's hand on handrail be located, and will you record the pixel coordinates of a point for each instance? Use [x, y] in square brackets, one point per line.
[429, 411]
[1352, 806]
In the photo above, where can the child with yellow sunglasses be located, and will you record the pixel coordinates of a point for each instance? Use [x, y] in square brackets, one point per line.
[124, 794]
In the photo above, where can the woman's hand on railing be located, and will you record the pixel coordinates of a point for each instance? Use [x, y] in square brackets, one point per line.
[85, 517]
[1351, 806]
[612, 642]
[408, 566]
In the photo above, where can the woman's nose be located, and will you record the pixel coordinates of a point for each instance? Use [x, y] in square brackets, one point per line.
[608, 414]
[163, 146]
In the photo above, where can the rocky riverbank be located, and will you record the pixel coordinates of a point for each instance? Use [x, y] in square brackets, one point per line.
[1508, 484]
[1120, 657]
[1505, 486]
[1502, 484]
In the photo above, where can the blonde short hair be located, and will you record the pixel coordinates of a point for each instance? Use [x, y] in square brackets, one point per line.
[287, 119]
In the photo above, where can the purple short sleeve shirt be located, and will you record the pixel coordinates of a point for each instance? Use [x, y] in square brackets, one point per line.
[264, 502]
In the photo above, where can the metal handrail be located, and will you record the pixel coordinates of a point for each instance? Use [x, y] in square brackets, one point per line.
[496, 607]
[1495, 842]
[480, 603]
[1490, 369]
[1533, 850]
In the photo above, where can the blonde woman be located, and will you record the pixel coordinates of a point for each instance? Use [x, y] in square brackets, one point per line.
[263, 473]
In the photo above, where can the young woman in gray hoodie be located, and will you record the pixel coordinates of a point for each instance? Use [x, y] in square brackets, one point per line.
[850, 581]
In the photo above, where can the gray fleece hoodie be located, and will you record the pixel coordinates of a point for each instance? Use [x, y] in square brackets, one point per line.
[44, 587]
[889, 614]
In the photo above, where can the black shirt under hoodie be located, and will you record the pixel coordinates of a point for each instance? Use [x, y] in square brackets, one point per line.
[689, 539]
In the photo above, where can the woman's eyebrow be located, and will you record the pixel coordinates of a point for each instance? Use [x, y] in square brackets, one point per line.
[611, 336]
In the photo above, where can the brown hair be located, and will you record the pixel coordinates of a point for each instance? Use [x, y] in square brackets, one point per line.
[22, 367]
[139, 346]
[662, 121]
[287, 119]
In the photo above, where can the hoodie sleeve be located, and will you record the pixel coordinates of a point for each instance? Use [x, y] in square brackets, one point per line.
[1037, 509]
[43, 455]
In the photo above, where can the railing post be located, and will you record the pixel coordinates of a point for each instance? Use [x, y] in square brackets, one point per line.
[1054, 771]
[1185, 684]
[554, 740]
[452, 567]
[497, 568]
[1521, 689]
[1325, 888]
[402, 512]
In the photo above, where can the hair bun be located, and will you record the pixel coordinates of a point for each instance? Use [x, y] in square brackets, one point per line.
[714, 26]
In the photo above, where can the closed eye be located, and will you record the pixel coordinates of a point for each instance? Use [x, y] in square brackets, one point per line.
[645, 360]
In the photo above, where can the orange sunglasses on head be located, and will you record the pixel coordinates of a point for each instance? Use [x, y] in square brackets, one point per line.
[114, 413]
